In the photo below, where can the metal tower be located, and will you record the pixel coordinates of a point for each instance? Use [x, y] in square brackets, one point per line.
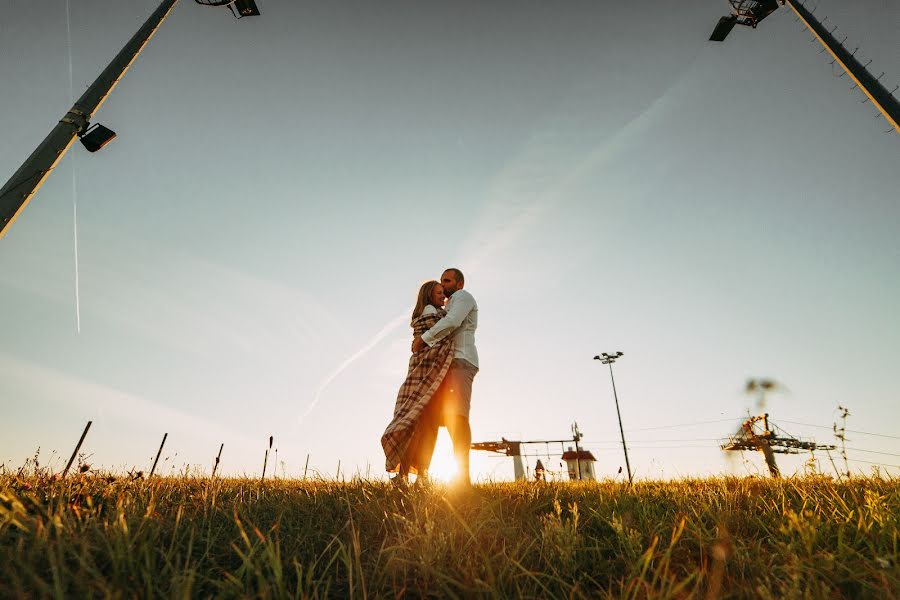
[26, 181]
[750, 12]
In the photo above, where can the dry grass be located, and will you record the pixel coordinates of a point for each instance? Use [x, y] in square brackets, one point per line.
[178, 537]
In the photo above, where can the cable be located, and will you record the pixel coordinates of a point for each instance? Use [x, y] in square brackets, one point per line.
[683, 425]
[873, 463]
[892, 437]
[872, 451]
[667, 447]
[716, 439]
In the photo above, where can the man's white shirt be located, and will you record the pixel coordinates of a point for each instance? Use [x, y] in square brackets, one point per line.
[461, 320]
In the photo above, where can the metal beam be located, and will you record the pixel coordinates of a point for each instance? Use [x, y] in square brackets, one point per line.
[26, 181]
[883, 100]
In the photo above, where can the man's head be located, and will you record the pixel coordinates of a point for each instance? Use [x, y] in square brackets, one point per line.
[452, 280]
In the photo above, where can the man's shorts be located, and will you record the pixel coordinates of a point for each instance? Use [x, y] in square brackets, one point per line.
[455, 392]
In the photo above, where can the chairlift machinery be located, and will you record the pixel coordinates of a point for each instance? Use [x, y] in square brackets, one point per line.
[756, 434]
[513, 448]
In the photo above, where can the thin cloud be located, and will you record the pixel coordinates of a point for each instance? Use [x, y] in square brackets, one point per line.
[102, 403]
[541, 177]
[178, 301]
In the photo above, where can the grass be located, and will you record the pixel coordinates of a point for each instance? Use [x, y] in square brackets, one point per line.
[94, 535]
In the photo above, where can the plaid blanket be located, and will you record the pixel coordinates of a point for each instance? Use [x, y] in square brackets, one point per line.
[426, 372]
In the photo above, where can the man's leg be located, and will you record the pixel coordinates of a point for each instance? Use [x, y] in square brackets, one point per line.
[461, 434]
[457, 405]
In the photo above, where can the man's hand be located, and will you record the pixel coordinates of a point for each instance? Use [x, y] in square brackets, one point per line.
[418, 344]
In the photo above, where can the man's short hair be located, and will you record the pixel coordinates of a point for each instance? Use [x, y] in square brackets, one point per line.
[457, 273]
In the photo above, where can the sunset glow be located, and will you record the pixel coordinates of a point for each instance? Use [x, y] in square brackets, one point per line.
[443, 466]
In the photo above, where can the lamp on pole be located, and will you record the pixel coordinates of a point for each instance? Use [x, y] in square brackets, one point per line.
[26, 181]
[609, 359]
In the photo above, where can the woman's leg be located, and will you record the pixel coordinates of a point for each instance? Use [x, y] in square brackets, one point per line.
[427, 433]
[410, 457]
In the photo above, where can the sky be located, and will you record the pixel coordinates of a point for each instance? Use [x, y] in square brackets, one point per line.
[250, 246]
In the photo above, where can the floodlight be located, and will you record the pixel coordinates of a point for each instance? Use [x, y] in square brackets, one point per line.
[723, 28]
[246, 8]
[239, 8]
[764, 8]
[96, 136]
[745, 12]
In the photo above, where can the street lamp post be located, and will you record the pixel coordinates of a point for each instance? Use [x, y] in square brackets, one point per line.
[609, 359]
[26, 181]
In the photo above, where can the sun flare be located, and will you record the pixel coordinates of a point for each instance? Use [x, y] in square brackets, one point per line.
[443, 465]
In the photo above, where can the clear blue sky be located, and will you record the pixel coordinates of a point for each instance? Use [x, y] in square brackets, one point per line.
[607, 179]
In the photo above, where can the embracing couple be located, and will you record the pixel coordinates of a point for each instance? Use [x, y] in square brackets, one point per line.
[438, 386]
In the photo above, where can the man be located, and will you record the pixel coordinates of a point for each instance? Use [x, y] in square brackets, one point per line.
[454, 398]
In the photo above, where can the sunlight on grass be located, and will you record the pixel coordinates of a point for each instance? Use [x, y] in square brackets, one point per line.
[114, 535]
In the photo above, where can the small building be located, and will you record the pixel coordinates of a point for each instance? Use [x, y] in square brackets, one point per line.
[580, 460]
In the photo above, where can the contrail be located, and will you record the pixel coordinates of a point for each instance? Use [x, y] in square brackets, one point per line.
[391, 326]
[74, 183]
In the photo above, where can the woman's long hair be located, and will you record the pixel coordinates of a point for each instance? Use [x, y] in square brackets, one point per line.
[424, 298]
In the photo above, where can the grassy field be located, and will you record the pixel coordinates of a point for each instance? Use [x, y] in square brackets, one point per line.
[708, 538]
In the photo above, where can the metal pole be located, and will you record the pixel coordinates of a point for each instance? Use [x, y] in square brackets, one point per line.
[26, 181]
[578, 458]
[619, 414]
[77, 448]
[881, 98]
[576, 437]
[766, 449]
[158, 452]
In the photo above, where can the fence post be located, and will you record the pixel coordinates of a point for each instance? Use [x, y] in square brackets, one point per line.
[158, 452]
[216, 466]
[77, 448]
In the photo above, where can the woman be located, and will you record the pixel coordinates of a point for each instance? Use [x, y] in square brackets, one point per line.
[409, 439]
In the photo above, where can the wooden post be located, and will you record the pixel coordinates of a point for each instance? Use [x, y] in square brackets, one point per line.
[305, 467]
[216, 466]
[266, 458]
[833, 465]
[77, 448]
[158, 452]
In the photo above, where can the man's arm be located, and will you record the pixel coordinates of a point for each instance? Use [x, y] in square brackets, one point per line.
[457, 311]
